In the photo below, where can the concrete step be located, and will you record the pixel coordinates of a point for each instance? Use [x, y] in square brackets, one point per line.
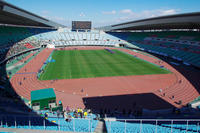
[101, 127]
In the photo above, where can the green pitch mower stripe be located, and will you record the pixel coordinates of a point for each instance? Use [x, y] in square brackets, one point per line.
[70, 64]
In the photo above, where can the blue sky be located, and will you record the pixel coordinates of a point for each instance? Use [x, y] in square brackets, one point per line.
[105, 12]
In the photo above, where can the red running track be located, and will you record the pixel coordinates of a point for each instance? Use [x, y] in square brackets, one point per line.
[69, 90]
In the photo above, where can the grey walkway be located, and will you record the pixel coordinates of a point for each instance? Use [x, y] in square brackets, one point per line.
[15, 130]
[101, 127]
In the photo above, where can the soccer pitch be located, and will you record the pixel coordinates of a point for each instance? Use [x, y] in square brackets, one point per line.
[71, 64]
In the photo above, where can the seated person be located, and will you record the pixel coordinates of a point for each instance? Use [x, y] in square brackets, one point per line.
[68, 117]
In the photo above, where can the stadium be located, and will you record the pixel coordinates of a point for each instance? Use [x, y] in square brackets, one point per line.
[138, 76]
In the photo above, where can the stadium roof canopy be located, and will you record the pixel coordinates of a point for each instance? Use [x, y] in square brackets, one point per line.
[12, 15]
[179, 21]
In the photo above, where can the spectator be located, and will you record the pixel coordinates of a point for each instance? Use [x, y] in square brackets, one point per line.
[81, 114]
[58, 113]
[67, 109]
[46, 115]
[68, 118]
[85, 114]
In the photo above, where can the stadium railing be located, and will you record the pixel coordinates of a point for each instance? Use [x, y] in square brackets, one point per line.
[48, 123]
[152, 125]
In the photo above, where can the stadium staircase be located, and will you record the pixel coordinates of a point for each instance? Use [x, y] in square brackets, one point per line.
[101, 127]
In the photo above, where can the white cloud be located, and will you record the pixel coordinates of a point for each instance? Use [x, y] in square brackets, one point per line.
[60, 20]
[45, 12]
[159, 12]
[54, 18]
[128, 15]
[103, 23]
[82, 14]
[118, 16]
[168, 12]
[109, 12]
[127, 11]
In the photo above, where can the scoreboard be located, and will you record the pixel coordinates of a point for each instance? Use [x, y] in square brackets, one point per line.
[81, 25]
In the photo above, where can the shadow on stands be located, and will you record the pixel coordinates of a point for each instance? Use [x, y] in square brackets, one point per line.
[125, 104]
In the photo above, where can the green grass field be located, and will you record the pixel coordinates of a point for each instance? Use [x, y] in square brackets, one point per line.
[70, 64]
